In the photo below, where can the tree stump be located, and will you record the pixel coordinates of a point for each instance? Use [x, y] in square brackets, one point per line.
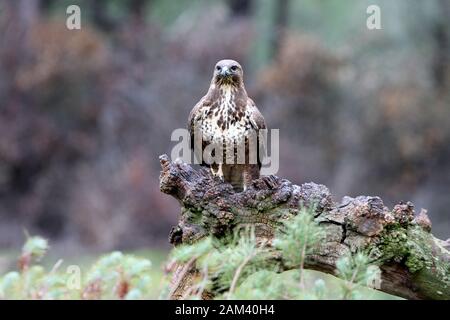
[413, 263]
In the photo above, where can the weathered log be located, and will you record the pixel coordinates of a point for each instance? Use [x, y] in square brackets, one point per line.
[414, 264]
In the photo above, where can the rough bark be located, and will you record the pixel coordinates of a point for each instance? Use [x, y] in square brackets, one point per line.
[414, 264]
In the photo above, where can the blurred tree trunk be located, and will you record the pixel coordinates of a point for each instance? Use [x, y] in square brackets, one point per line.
[137, 9]
[21, 16]
[281, 22]
[22, 12]
[100, 16]
[240, 7]
[137, 28]
[46, 5]
[441, 37]
[271, 20]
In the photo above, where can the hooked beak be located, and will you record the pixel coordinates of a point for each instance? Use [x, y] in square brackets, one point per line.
[225, 72]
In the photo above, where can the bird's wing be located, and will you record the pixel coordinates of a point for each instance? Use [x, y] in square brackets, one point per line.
[194, 122]
[257, 122]
[257, 119]
[195, 117]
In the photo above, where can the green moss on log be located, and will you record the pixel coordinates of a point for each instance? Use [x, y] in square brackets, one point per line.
[414, 247]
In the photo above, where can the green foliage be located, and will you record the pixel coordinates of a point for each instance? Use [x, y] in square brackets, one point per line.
[268, 285]
[122, 276]
[227, 261]
[413, 246]
[241, 268]
[299, 237]
[232, 263]
[237, 267]
[35, 247]
[356, 271]
[262, 285]
[185, 252]
[113, 276]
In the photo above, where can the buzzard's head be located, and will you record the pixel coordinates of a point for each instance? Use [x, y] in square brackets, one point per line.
[228, 72]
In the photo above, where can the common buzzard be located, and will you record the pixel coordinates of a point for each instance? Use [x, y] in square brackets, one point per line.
[226, 117]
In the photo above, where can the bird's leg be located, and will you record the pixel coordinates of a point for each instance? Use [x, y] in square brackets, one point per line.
[250, 173]
[220, 172]
[217, 171]
[214, 172]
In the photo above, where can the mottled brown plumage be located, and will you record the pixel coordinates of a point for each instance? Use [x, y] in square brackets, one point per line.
[227, 116]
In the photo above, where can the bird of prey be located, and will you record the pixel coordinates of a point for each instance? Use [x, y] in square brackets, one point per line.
[226, 117]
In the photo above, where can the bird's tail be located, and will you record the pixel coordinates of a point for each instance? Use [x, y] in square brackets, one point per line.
[240, 176]
[233, 174]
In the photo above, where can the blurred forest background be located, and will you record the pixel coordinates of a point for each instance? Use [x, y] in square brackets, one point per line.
[85, 114]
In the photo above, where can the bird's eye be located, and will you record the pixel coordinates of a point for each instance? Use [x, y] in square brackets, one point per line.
[234, 68]
[218, 68]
